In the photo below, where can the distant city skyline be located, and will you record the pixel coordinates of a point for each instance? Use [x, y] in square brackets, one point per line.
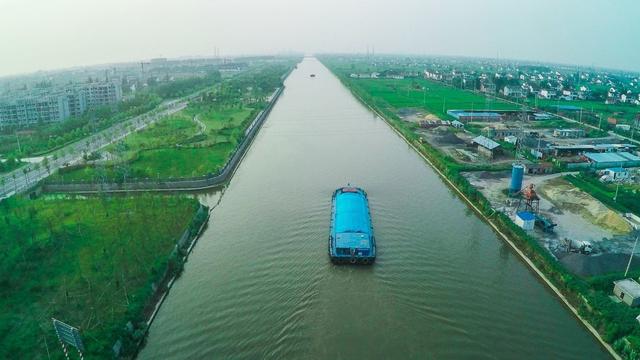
[50, 35]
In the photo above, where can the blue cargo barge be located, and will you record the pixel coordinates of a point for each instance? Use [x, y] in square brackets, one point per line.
[351, 239]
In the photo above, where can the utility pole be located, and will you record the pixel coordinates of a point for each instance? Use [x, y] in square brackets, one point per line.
[580, 116]
[634, 126]
[631, 255]
[600, 122]
[18, 139]
[424, 97]
[615, 197]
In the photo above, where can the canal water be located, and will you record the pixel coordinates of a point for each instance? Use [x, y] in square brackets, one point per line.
[259, 283]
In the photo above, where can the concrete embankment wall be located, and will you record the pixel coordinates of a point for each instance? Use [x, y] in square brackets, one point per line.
[178, 184]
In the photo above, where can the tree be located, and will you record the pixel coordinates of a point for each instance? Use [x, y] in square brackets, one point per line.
[26, 178]
[46, 164]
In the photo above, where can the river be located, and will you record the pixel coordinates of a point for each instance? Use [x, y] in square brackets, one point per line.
[259, 283]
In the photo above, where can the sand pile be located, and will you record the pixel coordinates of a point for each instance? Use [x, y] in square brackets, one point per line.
[567, 197]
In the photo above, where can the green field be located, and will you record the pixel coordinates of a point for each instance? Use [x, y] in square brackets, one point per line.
[86, 261]
[431, 96]
[625, 112]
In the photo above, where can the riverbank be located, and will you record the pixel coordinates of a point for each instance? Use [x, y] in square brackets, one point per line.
[527, 249]
[184, 247]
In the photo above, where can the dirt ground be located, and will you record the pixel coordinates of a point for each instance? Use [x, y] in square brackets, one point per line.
[566, 196]
[579, 216]
[413, 115]
[590, 265]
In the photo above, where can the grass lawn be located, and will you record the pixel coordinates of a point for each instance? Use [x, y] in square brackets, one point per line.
[172, 130]
[217, 118]
[86, 261]
[177, 162]
[153, 153]
[162, 163]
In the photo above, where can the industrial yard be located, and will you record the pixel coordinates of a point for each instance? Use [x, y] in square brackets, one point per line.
[588, 236]
[579, 219]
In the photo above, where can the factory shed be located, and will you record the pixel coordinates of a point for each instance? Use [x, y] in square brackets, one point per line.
[465, 116]
[570, 150]
[540, 168]
[611, 159]
[569, 133]
[628, 291]
[613, 147]
[541, 116]
[486, 146]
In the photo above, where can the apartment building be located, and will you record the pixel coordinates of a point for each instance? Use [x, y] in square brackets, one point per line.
[54, 105]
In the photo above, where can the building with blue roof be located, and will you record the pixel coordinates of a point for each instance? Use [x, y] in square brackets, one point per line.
[466, 116]
[568, 108]
[612, 159]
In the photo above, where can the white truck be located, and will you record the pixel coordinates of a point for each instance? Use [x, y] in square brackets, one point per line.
[578, 246]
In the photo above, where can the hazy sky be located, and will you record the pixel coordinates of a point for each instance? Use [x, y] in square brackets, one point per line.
[49, 34]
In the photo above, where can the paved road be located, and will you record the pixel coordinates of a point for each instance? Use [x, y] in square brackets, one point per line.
[201, 125]
[25, 177]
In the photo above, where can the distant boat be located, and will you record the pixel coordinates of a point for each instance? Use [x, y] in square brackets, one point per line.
[351, 239]
[313, 75]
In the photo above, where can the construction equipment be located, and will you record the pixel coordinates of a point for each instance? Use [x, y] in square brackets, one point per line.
[578, 246]
[545, 223]
[530, 199]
